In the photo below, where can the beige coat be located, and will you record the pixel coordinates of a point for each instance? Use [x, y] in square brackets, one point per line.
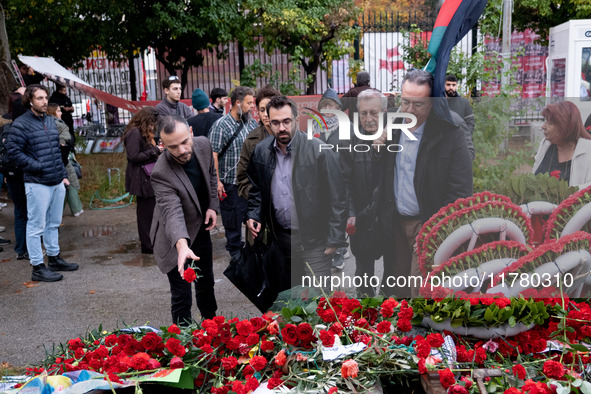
[580, 168]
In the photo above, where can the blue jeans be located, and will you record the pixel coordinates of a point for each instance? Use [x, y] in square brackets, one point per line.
[45, 206]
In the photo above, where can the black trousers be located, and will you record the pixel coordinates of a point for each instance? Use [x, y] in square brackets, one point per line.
[180, 289]
[144, 213]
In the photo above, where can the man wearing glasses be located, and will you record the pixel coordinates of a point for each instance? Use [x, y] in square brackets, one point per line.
[297, 194]
[433, 169]
[170, 104]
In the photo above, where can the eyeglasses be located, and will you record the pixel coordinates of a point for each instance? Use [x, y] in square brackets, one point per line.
[172, 77]
[285, 122]
[415, 104]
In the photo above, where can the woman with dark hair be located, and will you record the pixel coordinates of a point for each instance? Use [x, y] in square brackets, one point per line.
[142, 152]
[566, 146]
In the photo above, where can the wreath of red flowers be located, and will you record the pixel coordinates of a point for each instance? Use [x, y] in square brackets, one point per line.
[447, 225]
[458, 205]
[546, 253]
[564, 212]
[473, 259]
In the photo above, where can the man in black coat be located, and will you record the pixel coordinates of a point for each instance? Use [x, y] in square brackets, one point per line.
[297, 193]
[433, 169]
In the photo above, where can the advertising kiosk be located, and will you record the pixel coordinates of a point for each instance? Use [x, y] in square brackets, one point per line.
[569, 61]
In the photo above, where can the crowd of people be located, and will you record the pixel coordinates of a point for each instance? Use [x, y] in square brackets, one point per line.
[308, 195]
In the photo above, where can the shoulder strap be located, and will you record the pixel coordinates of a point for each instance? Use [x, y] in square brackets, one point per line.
[225, 148]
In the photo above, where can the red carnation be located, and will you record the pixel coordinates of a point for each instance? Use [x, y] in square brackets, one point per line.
[423, 349]
[333, 390]
[519, 371]
[111, 340]
[252, 339]
[229, 363]
[553, 369]
[422, 368]
[384, 327]
[244, 328]
[248, 371]
[457, 389]
[555, 174]
[174, 346]
[289, 334]
[258, 362]
[174, 329]
[404, 325]
[273, 383]
[446, 378]
[326, 338]
[189, 275]
[435, 340]
[176, 362]
[139, 361]
[267, 346]
[351, 229]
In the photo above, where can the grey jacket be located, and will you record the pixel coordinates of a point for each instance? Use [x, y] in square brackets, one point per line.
[166, 108]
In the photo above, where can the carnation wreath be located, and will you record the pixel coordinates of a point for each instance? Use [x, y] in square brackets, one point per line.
[507, 216]
[561, 220]
[566, 260]
[488, 259]
[458, 205]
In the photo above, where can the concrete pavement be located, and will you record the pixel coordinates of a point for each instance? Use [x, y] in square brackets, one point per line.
[115, 286]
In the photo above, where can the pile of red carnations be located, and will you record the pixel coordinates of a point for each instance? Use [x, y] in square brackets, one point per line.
[341, 344]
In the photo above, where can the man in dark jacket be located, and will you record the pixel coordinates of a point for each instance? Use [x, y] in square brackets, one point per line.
[202, 122]
[361, 175]
[349, 98]
[33, 146]
[461, 106]
[298, 194]
[433, 169]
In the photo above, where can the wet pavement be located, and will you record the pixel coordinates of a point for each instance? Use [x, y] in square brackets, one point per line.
[115, 286]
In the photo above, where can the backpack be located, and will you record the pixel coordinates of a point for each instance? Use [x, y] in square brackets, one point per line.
[6, 167]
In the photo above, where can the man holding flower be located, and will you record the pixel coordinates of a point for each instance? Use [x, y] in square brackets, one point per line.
[185, 185]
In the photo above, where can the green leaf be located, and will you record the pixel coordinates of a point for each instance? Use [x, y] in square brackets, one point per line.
[488, 315]
[512, 321]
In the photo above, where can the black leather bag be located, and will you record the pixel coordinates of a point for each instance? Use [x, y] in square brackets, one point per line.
[259, 272]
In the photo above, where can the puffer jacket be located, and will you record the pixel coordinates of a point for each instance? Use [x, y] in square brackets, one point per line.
[33, 145]
[318, 188]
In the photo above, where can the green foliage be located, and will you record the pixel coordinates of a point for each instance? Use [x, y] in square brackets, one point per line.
[289, 87]
[492, 165]
[415, 48]
[313, 33]
[527, 188]
[46, 28]
[538, 15]
[461, 313]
